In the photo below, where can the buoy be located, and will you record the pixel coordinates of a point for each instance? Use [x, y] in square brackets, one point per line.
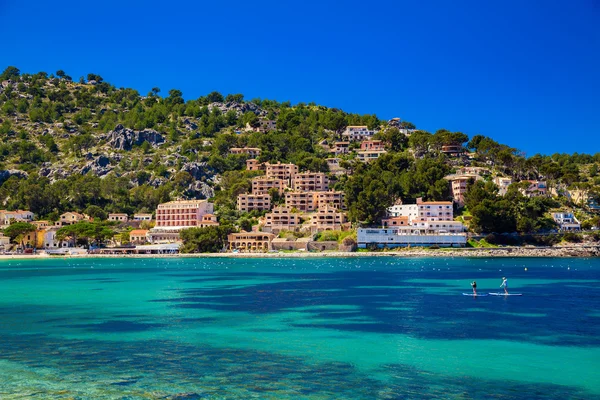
[525, 268]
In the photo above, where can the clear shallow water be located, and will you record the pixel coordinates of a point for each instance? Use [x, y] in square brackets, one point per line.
[379, 328]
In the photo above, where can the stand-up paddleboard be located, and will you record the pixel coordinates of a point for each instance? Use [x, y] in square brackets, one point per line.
[475, 295]
[506, 294]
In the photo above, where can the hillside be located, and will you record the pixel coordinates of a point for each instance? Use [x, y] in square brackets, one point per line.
[72, 145]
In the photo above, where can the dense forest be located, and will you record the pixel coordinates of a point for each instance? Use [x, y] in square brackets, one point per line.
[85, 145]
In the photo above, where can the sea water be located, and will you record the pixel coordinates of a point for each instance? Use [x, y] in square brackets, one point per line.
[313, 328]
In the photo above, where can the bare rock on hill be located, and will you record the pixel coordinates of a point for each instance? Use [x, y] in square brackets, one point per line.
[4, 175]
[99, 166]
[122, 138]
[239, 108]
[202, 190]
[198, 170]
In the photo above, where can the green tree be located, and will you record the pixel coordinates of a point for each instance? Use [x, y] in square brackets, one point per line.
[17, 231]
[205, 240]
[10, 73]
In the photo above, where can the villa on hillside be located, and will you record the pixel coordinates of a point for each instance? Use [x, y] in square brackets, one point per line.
[357, 133]
[7, 217]
[566, 221]
[119, 217]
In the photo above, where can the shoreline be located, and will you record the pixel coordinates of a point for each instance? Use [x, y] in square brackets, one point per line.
[505, 252]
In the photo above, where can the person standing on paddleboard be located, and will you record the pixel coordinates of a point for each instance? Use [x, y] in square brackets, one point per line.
[504, 284]
[474, 285]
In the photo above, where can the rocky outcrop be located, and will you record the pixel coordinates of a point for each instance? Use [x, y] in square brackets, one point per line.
[99, 166]
[198, 170]
[122, 138]
[239, 108]
[202, 190]
[4, 175]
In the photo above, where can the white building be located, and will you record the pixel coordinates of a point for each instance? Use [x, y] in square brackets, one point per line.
[142, 217]
[407, 236]
[357, 133]
[566, 221]
[7, 217]
[503, 184]
[423, 211]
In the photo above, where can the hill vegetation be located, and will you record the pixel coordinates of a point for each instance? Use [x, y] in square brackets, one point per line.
[85, 145]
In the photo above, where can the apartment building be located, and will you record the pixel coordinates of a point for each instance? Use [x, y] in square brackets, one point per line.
[183, 213]
[281, 171]
[328, 218]
[458, 186]
[423, 211]
[302, 201]
[252, 164]
[249, 202]
[174, 216]
[435, 210]
[409, 211]
[252, 152]
[356, 133]
[310, 181]
[262, 185]
[250, 241]
[281, 218]
[332, 198]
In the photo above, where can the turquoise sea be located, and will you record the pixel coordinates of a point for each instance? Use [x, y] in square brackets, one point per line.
[314, 328]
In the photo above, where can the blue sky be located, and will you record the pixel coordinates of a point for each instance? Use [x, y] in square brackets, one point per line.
[526, 73]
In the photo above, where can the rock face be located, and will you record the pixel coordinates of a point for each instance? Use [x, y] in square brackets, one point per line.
[198, 170]
[4, 175]
[239, 108]
[99, 166]
[202, 190]
[122, 138]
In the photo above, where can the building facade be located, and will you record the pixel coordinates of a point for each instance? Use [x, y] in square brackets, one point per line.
[407, 236]
[262, 185]
[281, 171]
[310, 181]
[250, 241]
[355, 133]
[174, 216]
[138, 236]
[281, 218]
[252, 152]
[142, 217]
[566, 221]
[328, 218]
[118, 217]
[250, 202]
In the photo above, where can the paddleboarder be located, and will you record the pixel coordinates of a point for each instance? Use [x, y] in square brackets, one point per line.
[504, 285]
[474, 286]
